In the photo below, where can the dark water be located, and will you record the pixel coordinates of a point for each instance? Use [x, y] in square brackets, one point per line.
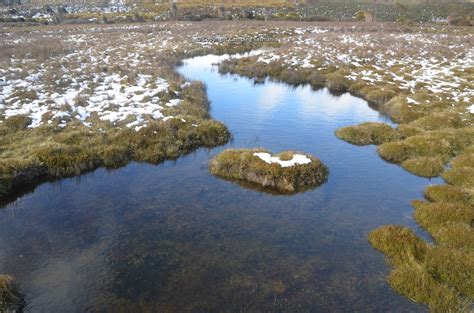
[174, 238]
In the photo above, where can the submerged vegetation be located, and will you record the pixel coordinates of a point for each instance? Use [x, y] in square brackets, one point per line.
[10, 296]
[287, 172]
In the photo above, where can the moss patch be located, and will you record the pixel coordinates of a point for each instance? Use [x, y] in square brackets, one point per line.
[243, 165]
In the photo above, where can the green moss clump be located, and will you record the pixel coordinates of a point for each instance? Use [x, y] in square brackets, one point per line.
[243, 165]
[424, 166]
[368, 133]
[10, 296]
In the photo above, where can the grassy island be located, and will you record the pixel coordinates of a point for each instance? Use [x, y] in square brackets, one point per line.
[286, 172]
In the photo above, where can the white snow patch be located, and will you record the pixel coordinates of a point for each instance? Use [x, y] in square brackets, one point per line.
[297, 159]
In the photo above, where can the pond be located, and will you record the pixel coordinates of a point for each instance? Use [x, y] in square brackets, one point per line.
[174, 238]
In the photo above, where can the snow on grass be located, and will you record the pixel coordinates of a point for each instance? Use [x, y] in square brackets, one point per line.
[471, 109]
[297, 159]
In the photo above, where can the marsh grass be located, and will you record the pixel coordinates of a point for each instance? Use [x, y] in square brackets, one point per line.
[368, 133]
[243, 165]
[48, 152]
[440, 275]
[424, 166]
[422, 272]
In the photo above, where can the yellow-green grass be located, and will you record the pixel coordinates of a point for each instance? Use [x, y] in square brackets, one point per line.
[424, 166]
[426, 153]
[426, 274]
[49, 152]
[448, 193]
[243, 165]
[440, 275]
[10, 296]
[461, 172]
[368, 133]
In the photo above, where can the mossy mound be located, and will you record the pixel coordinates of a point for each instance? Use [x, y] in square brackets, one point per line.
[367, 134]
[244, 165]
[10, 296]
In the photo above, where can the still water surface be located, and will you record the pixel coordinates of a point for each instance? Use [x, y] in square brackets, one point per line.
[174, 238]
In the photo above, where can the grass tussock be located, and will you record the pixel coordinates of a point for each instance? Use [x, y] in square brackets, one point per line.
[424, 166]
[367, 134]
[10, 296]
[243, 165]
[434, 215]
[448, 193]
[426, 153]
[461, 172]
[422, 272]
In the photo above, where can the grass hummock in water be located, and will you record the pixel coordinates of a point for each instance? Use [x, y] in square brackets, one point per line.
[287, 172]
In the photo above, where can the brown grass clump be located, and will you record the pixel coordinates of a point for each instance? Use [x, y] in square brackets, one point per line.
[10, 296]
[243, 165]
[367, 133]
[18, 122]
